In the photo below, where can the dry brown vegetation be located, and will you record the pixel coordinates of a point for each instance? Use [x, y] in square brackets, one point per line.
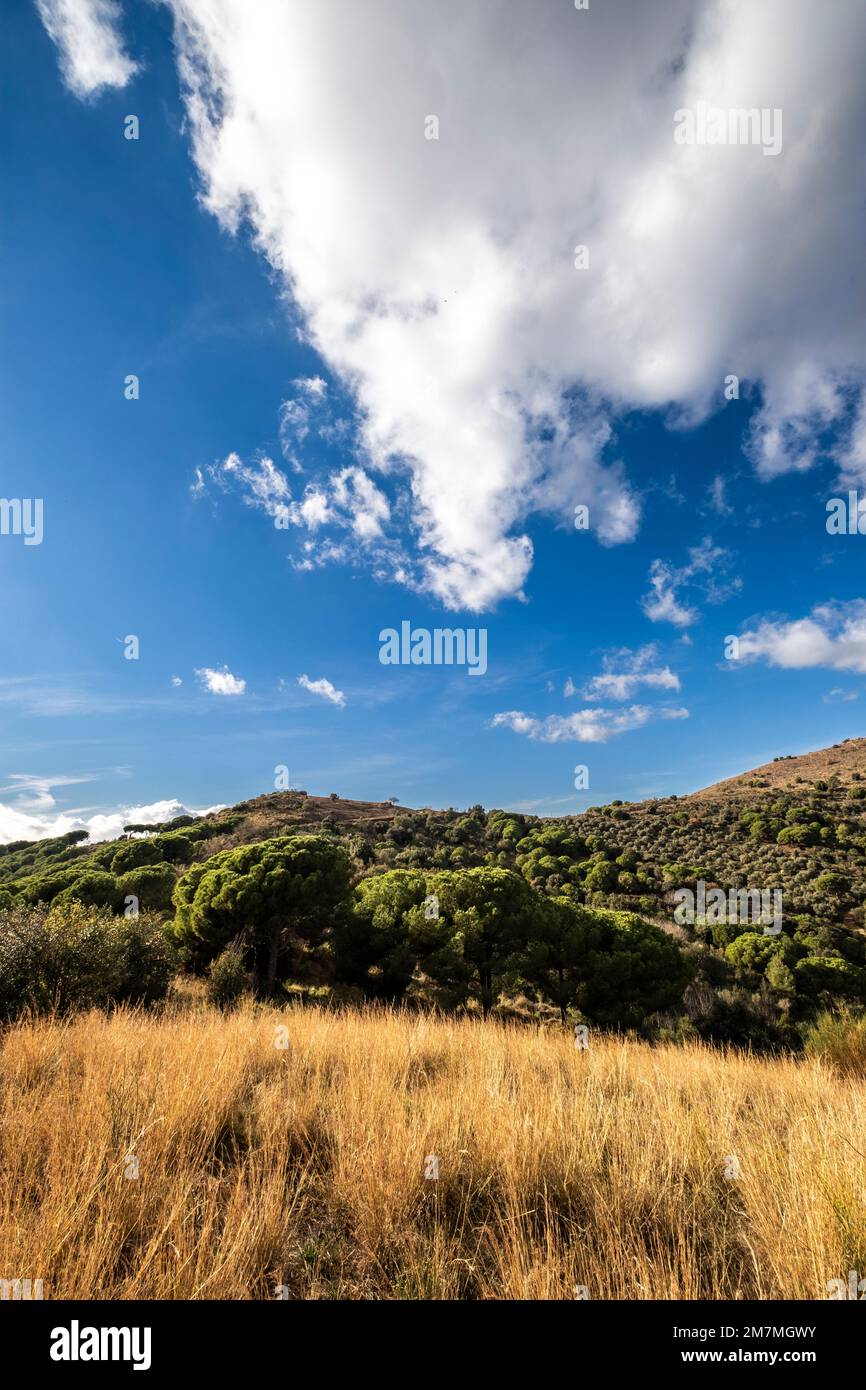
[843, 760]
[304, 1166]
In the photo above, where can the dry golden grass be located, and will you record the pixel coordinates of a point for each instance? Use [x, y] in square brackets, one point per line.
[261, 1167]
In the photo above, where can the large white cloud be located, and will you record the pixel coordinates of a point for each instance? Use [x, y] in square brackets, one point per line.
[437, 277]
[833, 636]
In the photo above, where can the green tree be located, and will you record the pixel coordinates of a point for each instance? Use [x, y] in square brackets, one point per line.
[632, 969]
[555, 958]
[754, 951]
[93, 888]
[134, 854]
[373, 944]
[281, 893]
[153, 885]
[485, 915]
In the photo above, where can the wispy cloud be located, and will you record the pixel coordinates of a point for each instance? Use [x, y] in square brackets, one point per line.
[719, 496]
[700, 578]
[323, 688]
[55, 696]
[837, 696]
[586, 725]
[40, 788]
[625, 671]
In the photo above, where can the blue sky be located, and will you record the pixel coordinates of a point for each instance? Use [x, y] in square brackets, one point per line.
[123, 256]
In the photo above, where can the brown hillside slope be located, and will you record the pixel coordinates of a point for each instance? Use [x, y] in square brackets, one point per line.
[286, 813]
[844, 761]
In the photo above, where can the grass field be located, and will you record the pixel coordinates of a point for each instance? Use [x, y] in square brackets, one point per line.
[299, 1171]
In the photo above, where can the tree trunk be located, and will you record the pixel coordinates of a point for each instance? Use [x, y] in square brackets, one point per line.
[273, 952]
[486, 990]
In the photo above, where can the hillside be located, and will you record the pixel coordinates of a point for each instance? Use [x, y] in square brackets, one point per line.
[782, 829]
[845, 762]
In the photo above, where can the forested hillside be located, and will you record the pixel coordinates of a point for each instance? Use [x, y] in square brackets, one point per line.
[482, 909]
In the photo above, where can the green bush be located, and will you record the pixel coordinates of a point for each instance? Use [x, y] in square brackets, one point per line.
[754, 951]
[799, 835]
[227, 977]
[175, 847]
[148, 959]
[830, 974]
[76, 956]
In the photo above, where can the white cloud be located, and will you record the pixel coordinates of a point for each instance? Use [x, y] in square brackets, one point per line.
[661, 604]
[87, 34]
[833, 637]
[20, 823]
[625, 671]
[35, 793]
[706, 562]
[586, 725]
[313, 386]
[719, 496]
[324, 688]
[839, 696]
[263, 484]
[221, 682]
[436, 277]
[358, 495]
[176, 681]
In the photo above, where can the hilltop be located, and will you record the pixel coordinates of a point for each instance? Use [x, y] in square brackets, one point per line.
[845, 762]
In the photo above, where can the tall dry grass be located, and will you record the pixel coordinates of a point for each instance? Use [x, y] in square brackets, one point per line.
[304, 1168]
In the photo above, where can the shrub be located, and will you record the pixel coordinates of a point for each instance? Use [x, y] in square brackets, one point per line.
[799, 835]
[840, 1039]
[602, 878]
[227, 977]
[754, 951]
[831, 974]
[148, 959]
[77, 956]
